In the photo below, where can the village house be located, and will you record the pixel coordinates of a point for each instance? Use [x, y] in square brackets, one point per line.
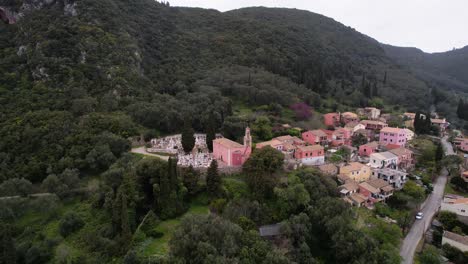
[232, 153]
[461, 143]
[409, 134]
[356, 199]
[383, 160]
[392, 135]
[310, 155]
[343, 178]
[370, 192]
[373, 124]
[338, 137]
[350, 187]
[386, 190]
[456, 204]
[455, 240]
[286, 144]
[329, 169]
[315, 137]
[464, 176]
[348, 117]
[369, 112]
[356, 171]
[354, 126]
[405, 156]
[394, 177]
[442, 124]
[367, 149]
[331, 119]
[409, 116]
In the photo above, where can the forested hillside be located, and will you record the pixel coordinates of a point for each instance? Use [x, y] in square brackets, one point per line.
[120, 67]
[80, 78]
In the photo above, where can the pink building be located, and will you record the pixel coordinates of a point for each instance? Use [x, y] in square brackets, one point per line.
[331, 119]
[368, 149]
[405, 158]
[315, 137]
[392, 135]
[340, 137]
[232, 153]
[310, 155]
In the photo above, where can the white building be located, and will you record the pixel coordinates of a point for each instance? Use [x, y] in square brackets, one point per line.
[455, 240]
[383, 160]
[409, 134]
[457, 205]
[394, 177]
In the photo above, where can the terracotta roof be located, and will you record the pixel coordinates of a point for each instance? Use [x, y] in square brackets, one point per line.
[318, 133]
[310, 148]
[384, 155]
[353, 166]
[284, 138]
[456, 237]
[387, 188]
[350, 186]
[378, 183]
[390, 147]
[400, 151]
[328, 167]
[438, 121]
[369, 187]
[273, 142]
[395, 130]
[228, 143]
[352, 124]
[373, 144]
[358, 198]
[460, 201]
[372, 122]
[343, 178]
[349, 114]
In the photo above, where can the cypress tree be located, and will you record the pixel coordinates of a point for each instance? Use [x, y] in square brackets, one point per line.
[188, 138]
[190, 180]
[172, 172]
[211, 131]
[8, 252]
[125, 233]
[375, 90]
[460, 109]
[385, 78]
[439, 155]
[116, 213]
[417, 123]
[213, 180]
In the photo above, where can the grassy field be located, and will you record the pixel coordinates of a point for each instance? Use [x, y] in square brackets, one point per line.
[160, 246]
[449, 189]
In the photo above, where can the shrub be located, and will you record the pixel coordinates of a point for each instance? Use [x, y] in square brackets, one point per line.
[70, 224]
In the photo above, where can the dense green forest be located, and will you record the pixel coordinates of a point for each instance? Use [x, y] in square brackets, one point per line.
[79, 78]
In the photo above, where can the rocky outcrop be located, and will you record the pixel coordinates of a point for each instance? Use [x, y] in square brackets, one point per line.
[11, 14]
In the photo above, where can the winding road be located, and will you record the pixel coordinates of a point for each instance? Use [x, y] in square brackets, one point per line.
[431, 206]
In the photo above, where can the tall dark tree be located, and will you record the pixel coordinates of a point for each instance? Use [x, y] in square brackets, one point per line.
[261, 171]
[172, 172]
[210, 132]
[188, 138]
[7, 246]
[190, 179]
[126, 233]
[213, 179]
[385, 78]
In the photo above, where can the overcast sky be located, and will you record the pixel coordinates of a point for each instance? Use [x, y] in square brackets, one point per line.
[431, 25]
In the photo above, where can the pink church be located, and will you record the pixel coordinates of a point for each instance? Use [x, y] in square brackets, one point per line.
[392, 135]
[232, 153]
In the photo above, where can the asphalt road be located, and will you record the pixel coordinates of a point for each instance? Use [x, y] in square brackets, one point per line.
[431, 206]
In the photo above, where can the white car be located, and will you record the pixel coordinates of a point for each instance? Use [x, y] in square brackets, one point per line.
[419, 216]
